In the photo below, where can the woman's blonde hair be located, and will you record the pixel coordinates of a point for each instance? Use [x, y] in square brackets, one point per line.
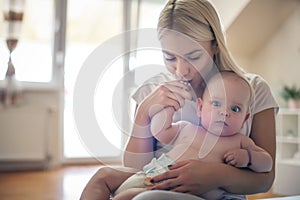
[199, 20]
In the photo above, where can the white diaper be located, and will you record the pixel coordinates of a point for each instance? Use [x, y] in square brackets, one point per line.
[158, 166]
[155, 167]
[134, 181]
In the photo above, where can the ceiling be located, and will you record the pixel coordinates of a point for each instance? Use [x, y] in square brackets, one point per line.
[256, 23]
[229, 9]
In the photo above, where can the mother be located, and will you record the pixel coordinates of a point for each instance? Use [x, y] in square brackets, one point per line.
[192, 37]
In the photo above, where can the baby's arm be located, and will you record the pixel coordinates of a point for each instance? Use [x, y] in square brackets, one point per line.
[162, 127]
[250, 155]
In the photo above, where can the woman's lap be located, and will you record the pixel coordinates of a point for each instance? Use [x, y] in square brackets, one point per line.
[165, 195]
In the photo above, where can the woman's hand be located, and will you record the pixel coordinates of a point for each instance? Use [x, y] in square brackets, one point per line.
[171, 94]
[139, 149]
[190, 176]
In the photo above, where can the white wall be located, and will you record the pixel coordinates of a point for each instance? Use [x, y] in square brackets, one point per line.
[50, 99]
[22, 136]
[279, 60]
[229, 10]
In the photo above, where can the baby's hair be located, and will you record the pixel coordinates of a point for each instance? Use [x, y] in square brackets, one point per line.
[242, 77]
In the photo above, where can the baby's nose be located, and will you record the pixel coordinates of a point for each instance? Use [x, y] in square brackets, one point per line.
[224, 112]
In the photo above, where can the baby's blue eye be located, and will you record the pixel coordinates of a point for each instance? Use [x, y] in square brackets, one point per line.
[235, 108]
[216, 103]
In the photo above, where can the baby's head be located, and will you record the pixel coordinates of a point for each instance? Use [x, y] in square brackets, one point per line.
[224, 106]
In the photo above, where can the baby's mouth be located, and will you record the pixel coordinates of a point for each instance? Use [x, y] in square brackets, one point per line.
[221, 123]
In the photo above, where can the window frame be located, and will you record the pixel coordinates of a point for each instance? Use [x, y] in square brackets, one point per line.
[58, 36]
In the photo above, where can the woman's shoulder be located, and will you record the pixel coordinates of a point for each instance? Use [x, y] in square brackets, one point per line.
[263, 98]
[256, 80]
[258, 83]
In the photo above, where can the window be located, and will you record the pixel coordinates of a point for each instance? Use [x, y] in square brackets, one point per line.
[89, 24]
[32, 57]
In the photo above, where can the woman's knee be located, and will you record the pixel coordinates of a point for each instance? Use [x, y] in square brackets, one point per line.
[149, 195]
[111, 177]
[164, 195]
[105, 172]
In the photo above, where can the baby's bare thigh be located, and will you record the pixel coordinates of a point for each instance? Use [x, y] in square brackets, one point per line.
[129, 193]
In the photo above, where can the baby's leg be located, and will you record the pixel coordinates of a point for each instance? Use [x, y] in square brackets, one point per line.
[129, 193]
[105, 181]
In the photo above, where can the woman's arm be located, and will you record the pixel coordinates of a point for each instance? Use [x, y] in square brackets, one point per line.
[139, 148]
[197, 177]
[259, 160]
[264, 135]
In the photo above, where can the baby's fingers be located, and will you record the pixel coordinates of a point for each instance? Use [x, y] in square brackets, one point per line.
[228, 158]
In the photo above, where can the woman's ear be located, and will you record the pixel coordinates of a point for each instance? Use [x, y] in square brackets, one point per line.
[199, 106]
[215, 47]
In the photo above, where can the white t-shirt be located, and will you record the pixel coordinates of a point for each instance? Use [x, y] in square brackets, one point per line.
[263, 99]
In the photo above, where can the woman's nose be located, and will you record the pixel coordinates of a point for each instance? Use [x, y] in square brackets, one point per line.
[182, 68]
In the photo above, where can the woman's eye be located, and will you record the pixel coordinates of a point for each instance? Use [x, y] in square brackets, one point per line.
[235, 109]
[169, 58]
[216, 103]
[195, 55]
[193, 58]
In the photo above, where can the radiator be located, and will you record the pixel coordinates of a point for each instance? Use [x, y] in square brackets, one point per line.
[24, 135]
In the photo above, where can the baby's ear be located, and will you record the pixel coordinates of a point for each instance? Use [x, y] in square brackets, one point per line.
[246, 118]
[199, 106]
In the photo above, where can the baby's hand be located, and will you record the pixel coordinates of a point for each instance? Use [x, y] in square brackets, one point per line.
[237, 158]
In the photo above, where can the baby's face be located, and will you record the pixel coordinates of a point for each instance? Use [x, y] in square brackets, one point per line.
[225, 104]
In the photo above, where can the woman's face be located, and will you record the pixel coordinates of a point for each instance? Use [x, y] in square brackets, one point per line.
[188, 60]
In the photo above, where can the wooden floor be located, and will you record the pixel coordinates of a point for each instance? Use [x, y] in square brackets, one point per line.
[65, 183]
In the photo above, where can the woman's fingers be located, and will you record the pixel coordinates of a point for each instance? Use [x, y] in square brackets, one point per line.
[177, 98]
[176, 91]
[172, 173]
[168, 94]
[179, 164]
[170, 180]
[164, 176]
[166, 185]
[180, 88]
[165, 181]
